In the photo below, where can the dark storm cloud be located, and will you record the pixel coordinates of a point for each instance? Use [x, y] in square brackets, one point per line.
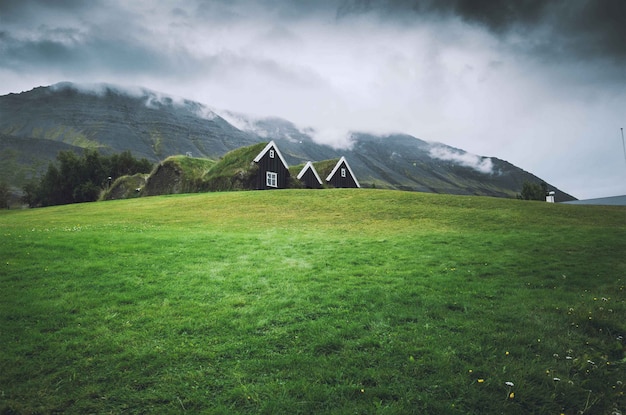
[11, 9]
[49, 36]
[32, 13]
[67, 50]
[105, 38]
[563, 28]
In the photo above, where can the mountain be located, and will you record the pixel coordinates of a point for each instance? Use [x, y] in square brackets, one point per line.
[36, 125]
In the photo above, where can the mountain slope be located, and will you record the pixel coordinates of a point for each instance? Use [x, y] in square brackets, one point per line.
[35, 125]
[143, 122]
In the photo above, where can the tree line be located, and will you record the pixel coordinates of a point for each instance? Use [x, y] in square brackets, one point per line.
[76, 179]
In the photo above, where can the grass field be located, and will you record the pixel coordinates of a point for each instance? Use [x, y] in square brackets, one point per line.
[330, 301]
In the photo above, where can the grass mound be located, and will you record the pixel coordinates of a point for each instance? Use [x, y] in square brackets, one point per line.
[177, 174]
[125, 187]
[234, 171]
[333, 301]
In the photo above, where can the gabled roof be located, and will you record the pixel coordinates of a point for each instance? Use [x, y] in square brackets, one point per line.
[269, 146]
[309, 165]
[343, 160]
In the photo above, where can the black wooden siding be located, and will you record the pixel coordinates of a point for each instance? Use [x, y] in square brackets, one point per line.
[337, 181]
[273, 165]
[309, 180]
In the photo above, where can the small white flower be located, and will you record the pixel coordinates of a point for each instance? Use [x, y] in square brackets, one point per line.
[569, 358]
[556, 379]
[590, 362]
[509, 384]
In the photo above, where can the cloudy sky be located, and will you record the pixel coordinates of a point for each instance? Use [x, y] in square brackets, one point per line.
[541, 84]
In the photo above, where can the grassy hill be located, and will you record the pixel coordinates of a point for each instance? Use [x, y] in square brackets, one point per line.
[329, 301]
[177, 174]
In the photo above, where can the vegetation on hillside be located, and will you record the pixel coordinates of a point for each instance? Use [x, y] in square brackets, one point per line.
[177, 174]
[81, 179]
[328, 302]
[234, 171]
[533, 191]
[125, 187]
[4, 195]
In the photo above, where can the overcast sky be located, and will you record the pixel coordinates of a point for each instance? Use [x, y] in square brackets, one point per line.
[541, 84]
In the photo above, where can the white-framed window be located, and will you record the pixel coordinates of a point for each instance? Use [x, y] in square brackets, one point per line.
[343, 172]
[271, 154]
[271, 179]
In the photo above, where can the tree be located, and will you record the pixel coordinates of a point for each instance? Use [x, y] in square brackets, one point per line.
[31, 196]
[124, 164]
[80, 179]
[4, 195]
[533, 191]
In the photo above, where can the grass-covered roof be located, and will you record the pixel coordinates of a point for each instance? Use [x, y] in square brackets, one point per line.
[235, 170]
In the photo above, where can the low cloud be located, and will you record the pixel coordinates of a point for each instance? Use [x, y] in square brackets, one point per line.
[335, 138]
[98, 88]
[151, 99]
[241, 122]
[478, 163]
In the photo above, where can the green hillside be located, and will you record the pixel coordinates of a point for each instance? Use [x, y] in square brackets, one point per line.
[334, 301]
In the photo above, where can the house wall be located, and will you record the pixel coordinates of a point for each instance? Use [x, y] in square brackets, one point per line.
[338, 181]
[309, 180]
[274, 165]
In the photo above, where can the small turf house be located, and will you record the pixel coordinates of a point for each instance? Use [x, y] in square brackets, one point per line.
[342, 175]
[309, 177]
[273, 170]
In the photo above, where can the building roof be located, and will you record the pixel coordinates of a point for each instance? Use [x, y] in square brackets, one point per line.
[332, 173]
[266, 149]
[309, 165]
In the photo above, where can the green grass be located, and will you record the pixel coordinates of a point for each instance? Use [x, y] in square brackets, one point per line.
[124, 187]
[235, 170]
[193, 167]
[328, 301]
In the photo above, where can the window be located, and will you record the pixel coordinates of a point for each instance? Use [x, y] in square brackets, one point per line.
[271, 154]
[343, 172]
[271, 179]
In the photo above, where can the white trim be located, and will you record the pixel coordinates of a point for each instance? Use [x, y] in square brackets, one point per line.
[332, 173]
[269, 145]
[309, 165]
[271, 177]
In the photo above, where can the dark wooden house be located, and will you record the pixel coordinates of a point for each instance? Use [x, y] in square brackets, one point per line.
[309, 177]
[342, 175]
[273, 170]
